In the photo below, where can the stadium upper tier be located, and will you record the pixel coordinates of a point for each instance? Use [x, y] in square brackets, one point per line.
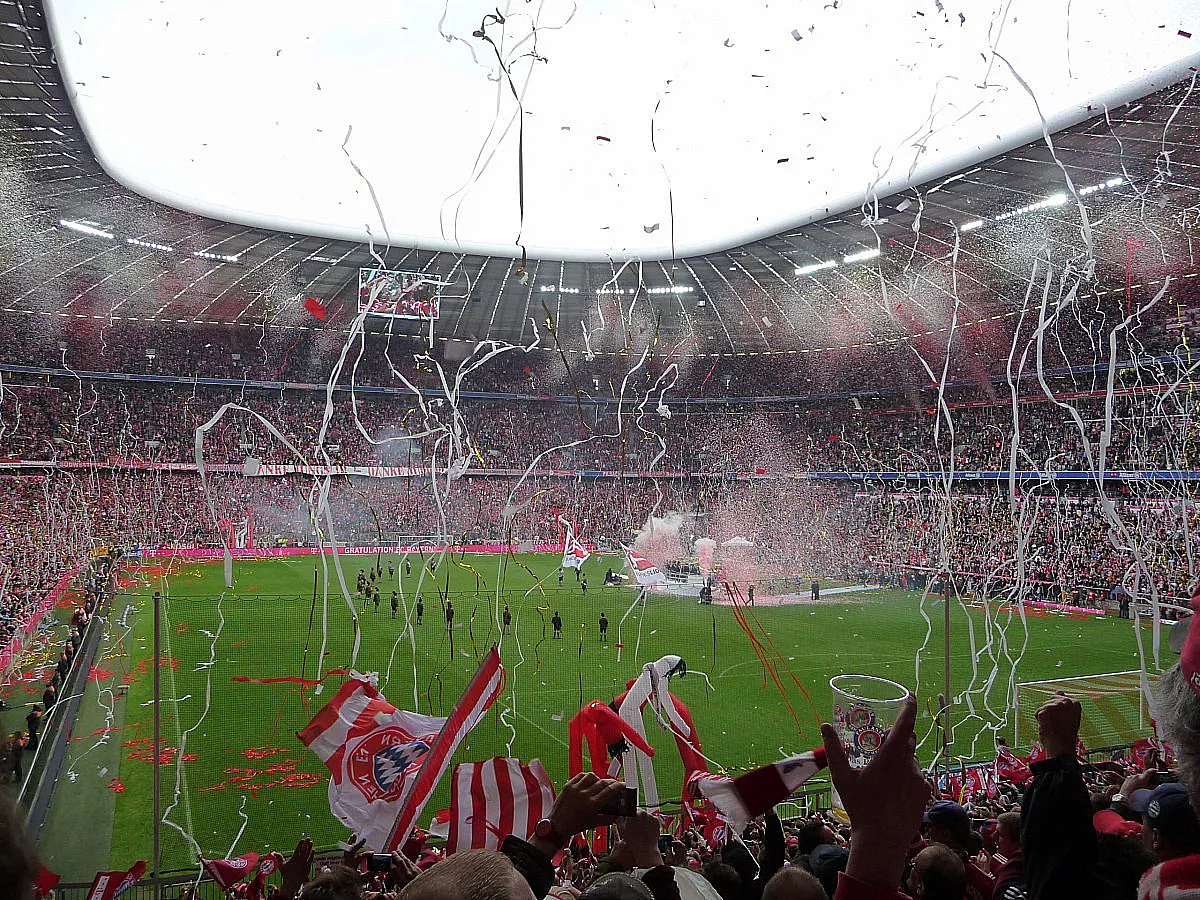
[97, 420]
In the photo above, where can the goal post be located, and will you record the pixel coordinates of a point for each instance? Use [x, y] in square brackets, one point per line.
[1115, 709]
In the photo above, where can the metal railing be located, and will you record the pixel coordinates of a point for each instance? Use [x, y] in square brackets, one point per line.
[41, 778]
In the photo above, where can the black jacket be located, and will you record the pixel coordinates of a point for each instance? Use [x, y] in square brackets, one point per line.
[1058, 842]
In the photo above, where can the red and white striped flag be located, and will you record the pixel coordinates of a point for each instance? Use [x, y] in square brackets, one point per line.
[574, 553]
[644, 571]
[476, 700]
[493, 799]
[751, 795]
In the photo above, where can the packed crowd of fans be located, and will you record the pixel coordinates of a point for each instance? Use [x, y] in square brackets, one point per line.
[1055, 827]
[304, 354]
[1046, 545]
[73, 421]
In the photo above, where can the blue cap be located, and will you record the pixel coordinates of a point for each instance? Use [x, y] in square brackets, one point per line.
[949, 814]
[1168, 809]
[827, 859]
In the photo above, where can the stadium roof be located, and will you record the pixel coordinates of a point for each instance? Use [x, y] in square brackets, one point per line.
[79, 245]
[583, 131]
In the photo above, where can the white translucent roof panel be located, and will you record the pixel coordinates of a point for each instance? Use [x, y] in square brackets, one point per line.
[645, 129]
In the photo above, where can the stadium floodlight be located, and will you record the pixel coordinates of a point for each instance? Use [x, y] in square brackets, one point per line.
[219, 257]
[861, 255]
[85, 228]
[149, 245]
[971, 226]
[816, 267]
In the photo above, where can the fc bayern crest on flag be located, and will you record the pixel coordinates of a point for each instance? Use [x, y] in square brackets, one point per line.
[379, 763]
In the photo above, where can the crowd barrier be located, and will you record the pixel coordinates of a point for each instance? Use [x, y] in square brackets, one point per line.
[1062, 606]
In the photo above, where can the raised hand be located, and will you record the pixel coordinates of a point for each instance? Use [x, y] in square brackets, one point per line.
[885, 800]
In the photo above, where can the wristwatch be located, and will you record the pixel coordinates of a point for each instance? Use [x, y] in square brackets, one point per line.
[544, 830]
[1118, 798]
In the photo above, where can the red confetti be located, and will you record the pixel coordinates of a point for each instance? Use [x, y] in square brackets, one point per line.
[166, 755]
[316, 308]
[280, 774]
[601, 137]
[261, 752]
[98, 674]
[1186, 34]
[116, 786]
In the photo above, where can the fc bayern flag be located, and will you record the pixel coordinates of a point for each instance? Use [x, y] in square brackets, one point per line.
[574, 553]
[111, 885]
[493, 799]
[228, 872]
[373, 752]
[1010, 767]
[643, 570]
[755, 793]
[476, 700]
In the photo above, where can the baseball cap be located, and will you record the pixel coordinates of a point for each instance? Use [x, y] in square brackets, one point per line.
[1109, 821]
[827, 859]
[1167, 808]
[949, 814]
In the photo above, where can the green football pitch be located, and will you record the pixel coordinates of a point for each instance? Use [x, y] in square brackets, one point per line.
[232, 767]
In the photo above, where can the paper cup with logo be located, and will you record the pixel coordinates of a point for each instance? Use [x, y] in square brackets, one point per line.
[864, 710]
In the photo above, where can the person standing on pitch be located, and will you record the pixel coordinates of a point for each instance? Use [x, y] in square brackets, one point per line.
[750, 595]
[449, 614]
[816, 591]
[420, 610]
[560, 575]
[603, 628]
[375, 598]
[395, 603]
[507, 619]
[583, 584]
[33, 722]
[557, 623]
[407, 567]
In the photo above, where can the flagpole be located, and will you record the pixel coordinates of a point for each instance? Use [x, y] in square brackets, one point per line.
[946, 741]
[157, 876]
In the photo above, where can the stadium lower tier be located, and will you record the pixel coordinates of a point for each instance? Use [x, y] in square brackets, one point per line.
[1063, 545]
[243, 669]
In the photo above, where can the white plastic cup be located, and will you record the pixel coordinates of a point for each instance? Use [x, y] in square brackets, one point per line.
[864, 710]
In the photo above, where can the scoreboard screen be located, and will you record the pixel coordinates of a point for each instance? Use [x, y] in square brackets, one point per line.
[399, 295]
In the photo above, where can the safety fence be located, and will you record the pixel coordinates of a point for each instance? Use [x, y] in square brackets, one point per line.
[42, 775]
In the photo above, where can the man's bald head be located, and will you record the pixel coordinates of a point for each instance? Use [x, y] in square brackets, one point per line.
[938, 874]
[794, 883]
[474, 875]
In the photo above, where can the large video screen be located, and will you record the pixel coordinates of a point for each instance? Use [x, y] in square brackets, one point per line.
[400, 295]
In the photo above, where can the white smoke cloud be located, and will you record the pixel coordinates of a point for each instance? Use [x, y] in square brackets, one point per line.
[659, 539]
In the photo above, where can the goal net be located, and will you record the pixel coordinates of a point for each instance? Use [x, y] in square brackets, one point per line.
[1115, 710]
